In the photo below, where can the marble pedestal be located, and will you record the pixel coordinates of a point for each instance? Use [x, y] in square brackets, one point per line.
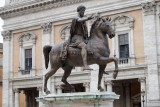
[97, 99]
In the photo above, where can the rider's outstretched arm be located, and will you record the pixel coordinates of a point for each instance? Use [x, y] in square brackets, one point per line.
[84, 19]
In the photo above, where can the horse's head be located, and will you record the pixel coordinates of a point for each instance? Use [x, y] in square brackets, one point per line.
[104, 24]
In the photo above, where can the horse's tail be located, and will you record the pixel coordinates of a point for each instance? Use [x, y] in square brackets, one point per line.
[46, 51]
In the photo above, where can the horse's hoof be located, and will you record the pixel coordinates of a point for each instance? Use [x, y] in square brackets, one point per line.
[100, 89]
[115, 74]
[48, 92]
[106, 73]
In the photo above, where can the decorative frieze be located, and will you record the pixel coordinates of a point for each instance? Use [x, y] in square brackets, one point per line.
[46, 27]
[27, 7]
[149, 8]
[6, 35]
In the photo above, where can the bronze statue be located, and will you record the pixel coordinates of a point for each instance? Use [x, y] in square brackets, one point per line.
[79, 34]
[97, 45]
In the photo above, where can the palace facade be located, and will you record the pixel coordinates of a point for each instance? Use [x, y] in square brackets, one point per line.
[29, 25]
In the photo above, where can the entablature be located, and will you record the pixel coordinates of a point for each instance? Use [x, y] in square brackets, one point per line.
[31, 6]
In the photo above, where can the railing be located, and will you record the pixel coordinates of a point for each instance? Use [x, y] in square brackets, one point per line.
[24, 72]
[123, 61]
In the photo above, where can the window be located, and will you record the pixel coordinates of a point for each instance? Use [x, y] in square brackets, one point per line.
[123, 46]
[27, 43]
[28, 59]
[123, 42]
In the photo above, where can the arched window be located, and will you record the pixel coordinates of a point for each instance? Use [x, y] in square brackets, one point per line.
[123, 43]
[27, 43]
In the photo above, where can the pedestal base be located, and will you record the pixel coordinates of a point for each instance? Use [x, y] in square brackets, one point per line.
[98, 99]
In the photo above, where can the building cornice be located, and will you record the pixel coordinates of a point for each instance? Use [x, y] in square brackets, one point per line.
[28, 7]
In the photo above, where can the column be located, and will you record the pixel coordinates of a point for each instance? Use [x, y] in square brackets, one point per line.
[6, 67]
[47, 31]
[128, 94]
[40, 94]
[143, 88]
[109, 84]
[150, 45]
[26, 98]
[59, 89]
[87, 86]
[17, 97]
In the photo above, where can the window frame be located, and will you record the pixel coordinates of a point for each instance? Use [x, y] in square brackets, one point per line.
[121, 26]
[27, 40]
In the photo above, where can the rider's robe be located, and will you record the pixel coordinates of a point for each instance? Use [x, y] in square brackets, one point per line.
[78, 32]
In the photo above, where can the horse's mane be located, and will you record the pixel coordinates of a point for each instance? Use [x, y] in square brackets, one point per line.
[93, 26]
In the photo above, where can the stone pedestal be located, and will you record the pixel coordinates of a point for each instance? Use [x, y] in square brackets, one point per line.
[95, 99]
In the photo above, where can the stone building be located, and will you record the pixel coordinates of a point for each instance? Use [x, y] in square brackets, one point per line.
[1, 72]
[31, 24]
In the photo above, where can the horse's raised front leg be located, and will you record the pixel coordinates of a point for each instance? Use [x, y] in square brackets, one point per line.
[46, 77]
[67, 72]
[105, 60]
[101, 71]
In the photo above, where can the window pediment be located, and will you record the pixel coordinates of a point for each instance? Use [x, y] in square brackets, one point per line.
[123, 20]
[27, 37]
[65, 31]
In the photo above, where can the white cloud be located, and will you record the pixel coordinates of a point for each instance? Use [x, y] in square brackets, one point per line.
[2, 2]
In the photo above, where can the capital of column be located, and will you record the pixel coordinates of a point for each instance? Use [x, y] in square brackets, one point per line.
[86, 84]
[6, 35]
[16, 90]
[109, 82]
[58, 87]
[46, 27]
[149, 8]
[142, 79]
[39, 88]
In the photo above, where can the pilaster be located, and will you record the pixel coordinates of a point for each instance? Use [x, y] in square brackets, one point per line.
[59, 89]
[142, 81]
[87, 86]
[6, 68]
[40, 94]
[109, 84]
[17, 91]
[46, 36]
[150, 44]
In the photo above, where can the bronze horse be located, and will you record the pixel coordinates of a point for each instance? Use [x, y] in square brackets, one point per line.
[97, 45]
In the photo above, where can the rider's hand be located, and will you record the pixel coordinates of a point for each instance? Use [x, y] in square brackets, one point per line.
[90, 17]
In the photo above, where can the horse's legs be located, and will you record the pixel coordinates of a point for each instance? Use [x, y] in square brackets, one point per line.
[67, 72]
[101, 71]
[46, 77]
[106, 60]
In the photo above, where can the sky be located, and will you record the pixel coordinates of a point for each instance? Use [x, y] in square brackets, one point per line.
[2, 2]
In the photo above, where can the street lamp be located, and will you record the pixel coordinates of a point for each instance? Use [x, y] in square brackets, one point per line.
[143, 94]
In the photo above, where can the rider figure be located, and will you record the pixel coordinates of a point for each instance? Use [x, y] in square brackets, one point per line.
[79, 34]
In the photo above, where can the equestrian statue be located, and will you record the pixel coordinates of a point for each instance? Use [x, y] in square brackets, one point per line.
[81, 50]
